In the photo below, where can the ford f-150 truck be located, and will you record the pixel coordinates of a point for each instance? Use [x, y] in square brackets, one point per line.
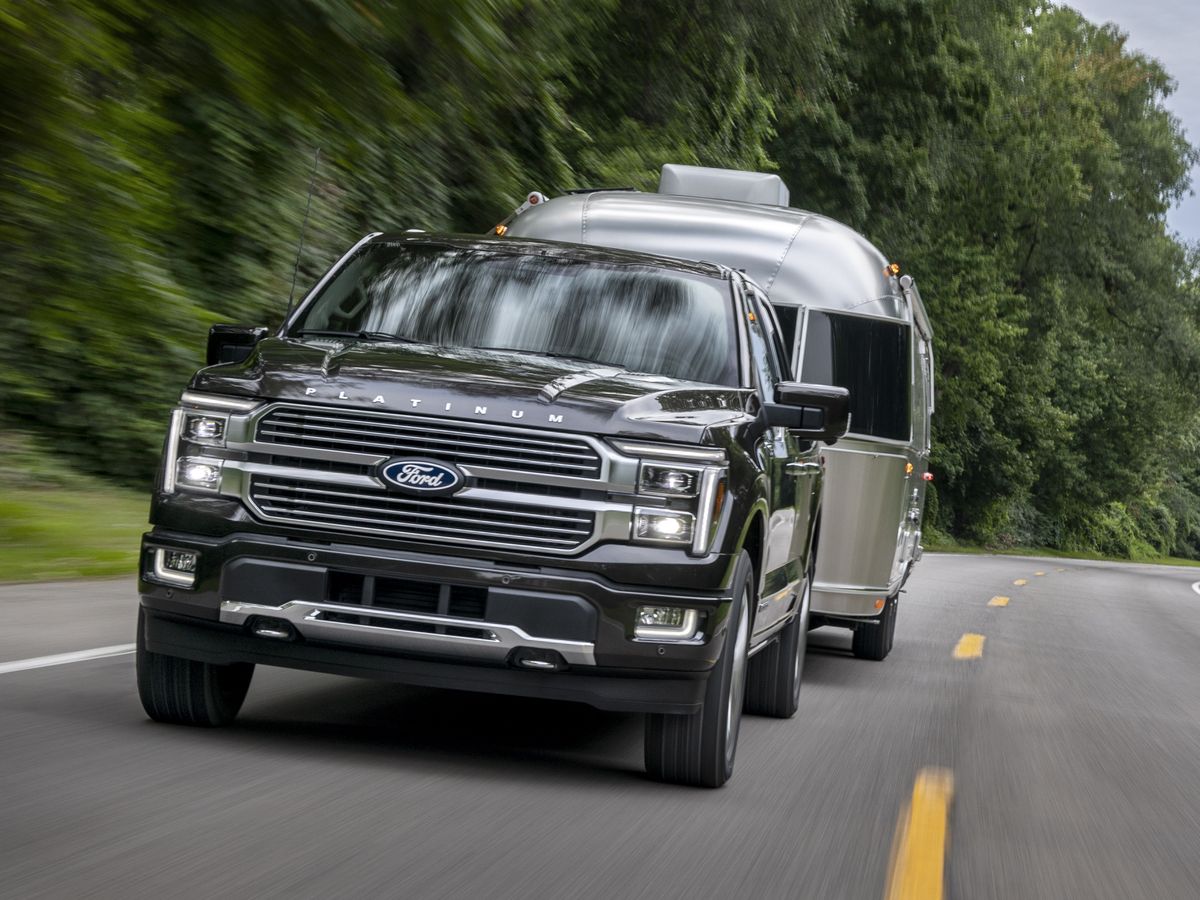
[508, 466]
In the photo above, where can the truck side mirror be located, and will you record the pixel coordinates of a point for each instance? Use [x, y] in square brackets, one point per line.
[232, 343]
[815, 412]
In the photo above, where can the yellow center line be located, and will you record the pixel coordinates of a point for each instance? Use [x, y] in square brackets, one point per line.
[969, 646]
[918, 865]
[1020, 581]
[998, 601]
[1039, 574]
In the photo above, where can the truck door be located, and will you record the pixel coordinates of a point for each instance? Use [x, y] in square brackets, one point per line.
[793, 468]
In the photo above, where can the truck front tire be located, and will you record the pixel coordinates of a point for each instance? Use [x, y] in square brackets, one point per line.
[775, 673]
[874, 640]
[698, 749]
[187, 692]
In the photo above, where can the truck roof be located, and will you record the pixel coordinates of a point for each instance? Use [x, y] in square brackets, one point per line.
[798, 257]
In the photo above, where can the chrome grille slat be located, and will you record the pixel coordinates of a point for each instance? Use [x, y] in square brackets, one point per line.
[267, 498]
[391, 499]
[449, 440]
[434, 532]
[286, 417]
[442, 519]
[398, 445]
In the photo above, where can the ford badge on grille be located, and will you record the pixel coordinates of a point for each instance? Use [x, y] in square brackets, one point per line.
[421, 476]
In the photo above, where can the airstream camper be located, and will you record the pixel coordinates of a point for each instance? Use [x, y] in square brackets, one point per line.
[848, 318]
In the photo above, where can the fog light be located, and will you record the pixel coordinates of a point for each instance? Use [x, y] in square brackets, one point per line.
[199, 473]
[666, 623]
[175, 566]
[667, 480]
[205, 429]
[179, 561]
[661, 526]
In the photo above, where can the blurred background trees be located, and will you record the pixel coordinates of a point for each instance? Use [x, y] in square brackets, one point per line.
[154, 162]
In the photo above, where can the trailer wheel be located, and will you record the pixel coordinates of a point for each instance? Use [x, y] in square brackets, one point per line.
[187, 692]
[874, 640]
[775, 673]
[698, 748]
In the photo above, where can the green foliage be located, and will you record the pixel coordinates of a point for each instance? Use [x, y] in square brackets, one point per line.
[155, 160]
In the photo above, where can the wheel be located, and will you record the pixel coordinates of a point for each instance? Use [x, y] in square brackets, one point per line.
[874, 640]
[187, 692]
[774, 675]
[698, 749]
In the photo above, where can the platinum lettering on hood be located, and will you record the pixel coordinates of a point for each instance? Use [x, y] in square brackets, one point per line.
[450, 406]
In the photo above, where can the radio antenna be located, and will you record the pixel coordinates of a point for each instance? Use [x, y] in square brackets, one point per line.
[312, 181]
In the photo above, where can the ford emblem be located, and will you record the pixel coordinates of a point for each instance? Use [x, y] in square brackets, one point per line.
[421, 476]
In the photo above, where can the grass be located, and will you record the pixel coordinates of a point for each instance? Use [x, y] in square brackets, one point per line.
[940, 543]
[56, 533]
[56, 524]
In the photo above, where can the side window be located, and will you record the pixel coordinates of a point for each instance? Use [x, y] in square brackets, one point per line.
[788, 318]
[871, 358]
[764, 343]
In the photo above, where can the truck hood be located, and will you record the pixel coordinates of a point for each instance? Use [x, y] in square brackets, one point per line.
[500, 387]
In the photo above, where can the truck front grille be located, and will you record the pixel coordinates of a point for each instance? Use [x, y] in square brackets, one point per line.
[463, 443]
[453, 520]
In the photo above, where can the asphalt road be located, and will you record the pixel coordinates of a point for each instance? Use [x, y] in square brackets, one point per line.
[1074, 743]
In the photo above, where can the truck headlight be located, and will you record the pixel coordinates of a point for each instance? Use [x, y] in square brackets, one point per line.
[203, 425]
[660, 526]
[204, 429]
[667, 480]
[199, 473]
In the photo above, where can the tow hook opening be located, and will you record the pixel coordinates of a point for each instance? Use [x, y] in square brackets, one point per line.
[271, 628]
[540, 660]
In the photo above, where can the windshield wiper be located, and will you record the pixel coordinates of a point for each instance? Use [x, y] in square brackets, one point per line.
[355, 335]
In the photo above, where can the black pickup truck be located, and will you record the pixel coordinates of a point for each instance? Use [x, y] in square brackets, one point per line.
[518, 467]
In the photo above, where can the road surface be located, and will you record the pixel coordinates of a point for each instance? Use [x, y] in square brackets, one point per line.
[1069, 723]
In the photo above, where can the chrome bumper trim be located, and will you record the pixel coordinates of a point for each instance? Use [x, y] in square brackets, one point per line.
[494, 643]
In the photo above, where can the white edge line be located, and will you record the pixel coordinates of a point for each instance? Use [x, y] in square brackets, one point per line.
[61, 659]
[1196, 587]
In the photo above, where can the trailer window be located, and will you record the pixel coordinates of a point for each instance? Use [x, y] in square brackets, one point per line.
[870, 358]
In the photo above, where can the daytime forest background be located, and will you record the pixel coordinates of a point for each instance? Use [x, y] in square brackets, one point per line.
[1017, 159]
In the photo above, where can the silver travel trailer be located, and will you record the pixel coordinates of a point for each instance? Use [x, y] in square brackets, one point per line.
[848, 318]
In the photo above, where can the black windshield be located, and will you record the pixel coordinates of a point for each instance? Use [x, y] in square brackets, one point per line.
[639, 317]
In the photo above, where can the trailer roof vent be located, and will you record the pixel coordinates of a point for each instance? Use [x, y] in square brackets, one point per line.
[723, 184]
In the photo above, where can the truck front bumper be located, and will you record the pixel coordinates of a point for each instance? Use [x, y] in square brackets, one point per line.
[426, 619]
